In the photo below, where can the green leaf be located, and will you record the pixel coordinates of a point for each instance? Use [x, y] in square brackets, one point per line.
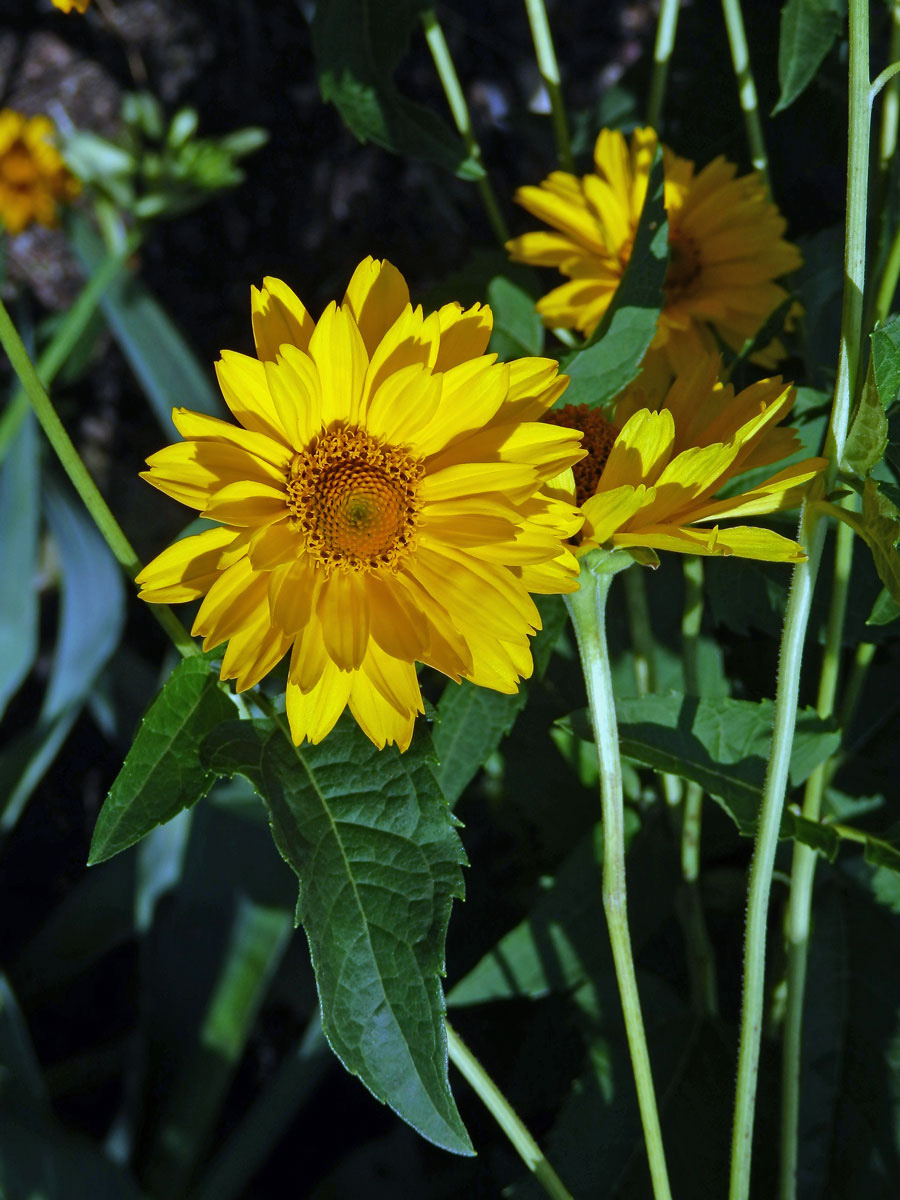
[886, 360]
[19, 525]
[868, 436]
[612, 358]
[884, 610]
[723, 745]
[808, 29]
[879, 526]
[163, 773]
[518, 330]
[358, 45]
[371, 839]
[161, 359]
[21, 1081]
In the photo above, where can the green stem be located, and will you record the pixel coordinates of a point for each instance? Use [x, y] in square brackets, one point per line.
[740, 56]
[798, 606]
[887, 284]
[701, 962]
[440, 52]
[505, 1116]
[81, 479]
[862, 660]
[549, 69]
[587, 608]
[662, 53]
[803, 870]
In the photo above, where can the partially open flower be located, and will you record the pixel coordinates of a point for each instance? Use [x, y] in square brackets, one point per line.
[379, 505]
[34, 180]
[66, 6]
[651, 478]
[725, 244]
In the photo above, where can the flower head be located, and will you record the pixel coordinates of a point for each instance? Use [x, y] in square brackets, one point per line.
[66, 6]
[651, 478]
[33, 176]
[725, 245]
[379, 505]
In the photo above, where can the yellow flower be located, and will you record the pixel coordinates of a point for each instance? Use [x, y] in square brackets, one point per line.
[725, 243]
[33, 176]
[66, 6]
[651, 481]
[379, 505]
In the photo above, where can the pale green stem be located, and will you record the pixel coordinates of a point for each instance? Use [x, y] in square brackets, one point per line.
[459, 110]
[662, 53]
[803, 869]
[81, 479]
[587, 608]
[505, 1116]
[701, 962]
[883, 79]
[887, 284]
[643, 649]
[549, 69]
[740, 57]
[862, 660]
[798, 606]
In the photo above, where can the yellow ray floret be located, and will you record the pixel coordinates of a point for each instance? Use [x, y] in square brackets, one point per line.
[67, 6]
[651, 481]
[34, 180]
[379, 504]
[726, 247]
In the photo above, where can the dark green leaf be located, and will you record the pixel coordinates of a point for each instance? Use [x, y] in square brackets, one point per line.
[518, 330]
[163, 773]
[884, 610]
[886, 360]
[613, 358]
[372, 842]
[44, 1162]
[808, 29]
[358, 45]
[723, 745]
[879, 526]
[21, 1082]
[19, 523]
[868, 434]
[161, 359]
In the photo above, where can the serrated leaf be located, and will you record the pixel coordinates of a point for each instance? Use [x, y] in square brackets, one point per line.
[723, 745]
[612, 359]
[868, 435]
[518, 330]
[358, 44]
[19, 525]
[163, 773]
[879, 526]
[886, 361]
[372, 841]
[808, 29]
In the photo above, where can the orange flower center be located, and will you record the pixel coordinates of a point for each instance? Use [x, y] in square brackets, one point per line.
[599, 435]
[355, 500]
[17, 166]
[684, 267]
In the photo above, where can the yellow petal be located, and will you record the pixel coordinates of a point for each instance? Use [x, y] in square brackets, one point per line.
[232, 602]
[464, 334]
[337, 349]
[641, 450]
[343, 609]
[404, 404]
[278, 317]
[472, 393]
[187, 569]
[412, 340]
[397, 626]
[312, 716]
[516, 480]
[247, 503]
[191, 472]
[243, 383]
[199, 426]
[293, 382]
[376, 295]
[293, 591]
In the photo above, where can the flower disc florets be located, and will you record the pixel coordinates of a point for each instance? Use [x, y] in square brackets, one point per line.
[355, 501]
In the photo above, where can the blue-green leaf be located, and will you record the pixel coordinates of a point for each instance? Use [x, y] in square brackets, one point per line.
[19, 524]
[373, 844]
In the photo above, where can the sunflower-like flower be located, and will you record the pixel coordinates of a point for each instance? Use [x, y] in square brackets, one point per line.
[33, 177]
[652, 481]
[379, 505]
[725, 244]
[66, 6]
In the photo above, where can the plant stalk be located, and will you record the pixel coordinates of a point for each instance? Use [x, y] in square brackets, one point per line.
[662, 54]
[440, 52]
[740, 57]
[505, 1116]
[587, 608]
[549, 69]
[799, 600]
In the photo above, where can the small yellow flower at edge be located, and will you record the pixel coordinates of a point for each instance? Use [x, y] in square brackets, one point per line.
[652, 482]
[34, 180]
[725, 243]
[66, 6]
[378, 505]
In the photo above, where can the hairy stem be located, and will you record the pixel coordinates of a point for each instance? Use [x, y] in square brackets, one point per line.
[587, 608]
[798, 606]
